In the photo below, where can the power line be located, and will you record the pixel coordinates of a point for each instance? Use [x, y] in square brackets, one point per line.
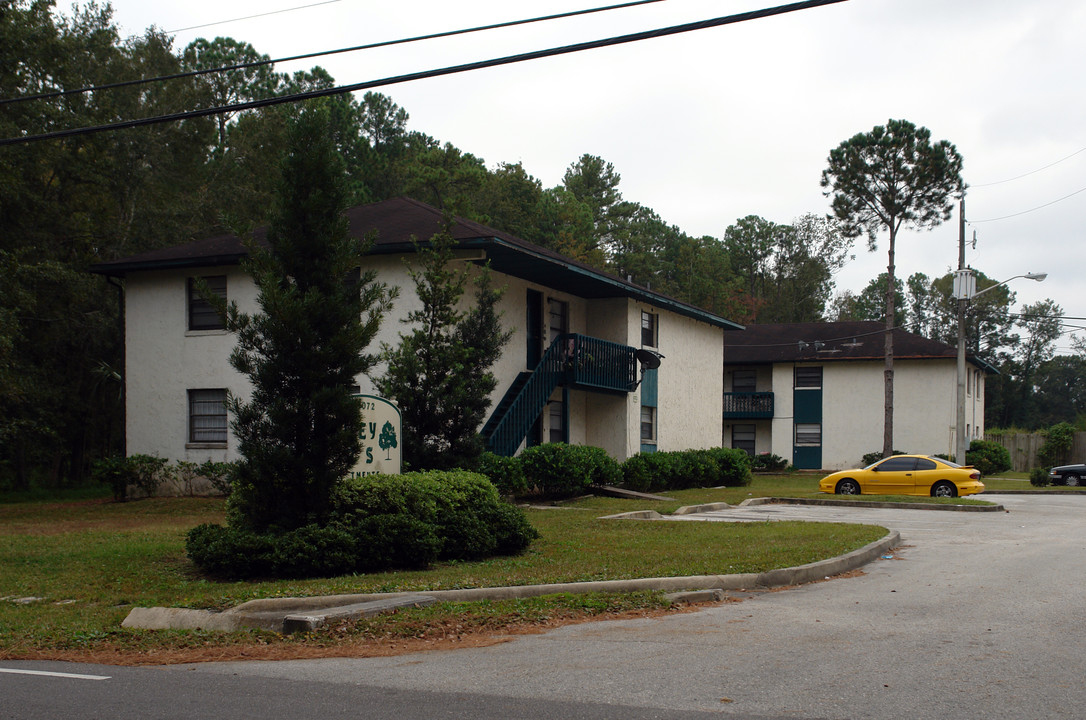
[250, 17]
[306, 56]
[326, 92]
[1025, 212]
[1031, 172]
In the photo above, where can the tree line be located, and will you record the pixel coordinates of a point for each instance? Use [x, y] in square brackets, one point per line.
[68, 204]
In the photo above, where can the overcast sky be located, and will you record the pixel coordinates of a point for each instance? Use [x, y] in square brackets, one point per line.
[710, 126]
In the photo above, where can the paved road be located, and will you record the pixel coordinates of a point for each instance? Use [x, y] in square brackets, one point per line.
[977, 615]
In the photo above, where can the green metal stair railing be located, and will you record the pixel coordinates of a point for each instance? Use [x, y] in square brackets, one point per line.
[573, 360]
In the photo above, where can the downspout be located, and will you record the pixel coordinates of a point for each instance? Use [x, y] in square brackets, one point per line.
[124, 357]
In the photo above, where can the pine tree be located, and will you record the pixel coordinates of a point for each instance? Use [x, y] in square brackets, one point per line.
[440, 375]
[298, 432]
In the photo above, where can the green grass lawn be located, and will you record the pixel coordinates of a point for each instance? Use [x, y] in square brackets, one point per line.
[72, 565]
[70, 571]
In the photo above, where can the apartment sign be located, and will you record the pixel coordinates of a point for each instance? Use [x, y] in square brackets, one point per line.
[380, 437]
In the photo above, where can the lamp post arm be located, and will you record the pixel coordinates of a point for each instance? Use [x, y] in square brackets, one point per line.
[1039, 277]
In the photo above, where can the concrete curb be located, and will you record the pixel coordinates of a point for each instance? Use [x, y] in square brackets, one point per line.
[294, 614]
[855, 503]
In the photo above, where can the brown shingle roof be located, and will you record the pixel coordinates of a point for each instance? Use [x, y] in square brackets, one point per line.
[395, 222]
[829, 342]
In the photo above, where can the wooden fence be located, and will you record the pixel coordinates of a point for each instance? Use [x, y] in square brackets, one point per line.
[1024, 447]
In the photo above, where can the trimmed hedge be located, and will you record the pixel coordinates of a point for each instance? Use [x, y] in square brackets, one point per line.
[505, 472]
[658, 471]
[377, 522]
[559, 470]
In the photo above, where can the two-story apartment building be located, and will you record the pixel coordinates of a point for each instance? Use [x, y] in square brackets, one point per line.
[578, 368]
[813, 393]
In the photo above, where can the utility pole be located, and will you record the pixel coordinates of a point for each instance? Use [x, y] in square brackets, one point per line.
[960, 435]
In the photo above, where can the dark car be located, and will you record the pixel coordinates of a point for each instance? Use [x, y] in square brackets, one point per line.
[1067, 475]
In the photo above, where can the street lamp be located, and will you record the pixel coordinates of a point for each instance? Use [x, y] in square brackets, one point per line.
[965, 289]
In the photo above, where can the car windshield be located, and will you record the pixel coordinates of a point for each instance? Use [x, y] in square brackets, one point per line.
[947, 462]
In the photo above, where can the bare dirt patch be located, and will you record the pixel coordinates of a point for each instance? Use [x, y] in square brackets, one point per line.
[445, 636]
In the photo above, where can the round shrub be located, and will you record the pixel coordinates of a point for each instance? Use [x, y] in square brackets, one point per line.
[768, 462]
[650, 472]
[512, 531]
[377, 522]
[559, 470]
[230, 551]
[696, 468]
[468, 516]
[988, 457]
[1038, 477]
[505, 472]
[393, 542]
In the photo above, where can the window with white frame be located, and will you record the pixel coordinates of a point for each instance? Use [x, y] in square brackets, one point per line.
[648, 423]
[207, 417]
[202, 316]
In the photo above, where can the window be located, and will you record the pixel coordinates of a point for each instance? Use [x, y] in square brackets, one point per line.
[648, 423]
[556, 412]
[969, 383]
[648, 329]
[808, 434]
[557, 318]
[201, 315]
[743, 438]
[809, 377]
[743, 381]
[925, 464]
[899, 464]
[207, 416]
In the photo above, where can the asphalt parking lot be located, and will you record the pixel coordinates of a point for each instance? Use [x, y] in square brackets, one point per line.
[975, 615]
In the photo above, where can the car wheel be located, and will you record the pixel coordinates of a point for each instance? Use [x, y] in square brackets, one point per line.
[944, 489]
[1072, 480]
[848, 487]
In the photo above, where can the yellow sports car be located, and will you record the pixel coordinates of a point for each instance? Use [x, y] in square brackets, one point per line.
[906, 475]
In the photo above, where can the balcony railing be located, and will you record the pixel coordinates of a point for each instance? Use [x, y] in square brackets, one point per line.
[576, 361]
[598, 365]
[748, 406]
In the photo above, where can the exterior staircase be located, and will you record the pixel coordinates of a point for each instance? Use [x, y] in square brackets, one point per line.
[575, 361]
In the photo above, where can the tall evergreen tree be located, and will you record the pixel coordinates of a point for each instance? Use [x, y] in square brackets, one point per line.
[892, 177]
[298, 433]
[439, 375]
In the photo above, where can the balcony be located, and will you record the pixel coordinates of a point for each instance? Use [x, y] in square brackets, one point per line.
[595, 365]
[575, 361]
[748, 406]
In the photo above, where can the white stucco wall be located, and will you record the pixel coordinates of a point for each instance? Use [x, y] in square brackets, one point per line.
[691, 383]
[852, 409]
[164, 361]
